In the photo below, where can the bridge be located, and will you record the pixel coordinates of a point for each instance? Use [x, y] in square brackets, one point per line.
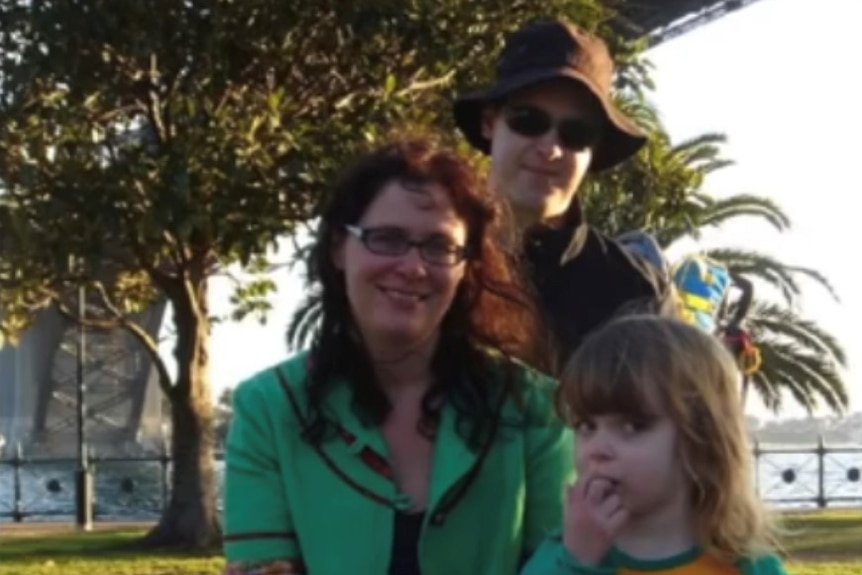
[38, 384]
[662, 20]
[38, 389]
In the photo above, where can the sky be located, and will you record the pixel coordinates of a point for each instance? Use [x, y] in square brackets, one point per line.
[775, 78]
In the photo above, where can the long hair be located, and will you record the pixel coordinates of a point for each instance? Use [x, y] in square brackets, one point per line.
[491, 311]
[644, 360]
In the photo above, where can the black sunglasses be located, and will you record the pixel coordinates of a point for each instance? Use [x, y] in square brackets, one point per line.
[574, 135]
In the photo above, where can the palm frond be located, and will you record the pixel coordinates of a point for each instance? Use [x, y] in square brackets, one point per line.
[716, 165]
[670, 234]
[773, 271]
[305, 321]
[747, 205]
[701, 153]
[808, 378]
[700, 200]
[641, 113]
[760, 266]
[768, 391]
[709, 140]
[818, 278]
[769, 318]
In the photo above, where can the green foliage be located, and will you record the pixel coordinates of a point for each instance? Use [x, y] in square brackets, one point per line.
[168, 144]
[252, 298]
[145, 149]
[661, 190]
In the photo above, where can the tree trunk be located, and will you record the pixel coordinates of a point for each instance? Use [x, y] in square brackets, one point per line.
[191, 519]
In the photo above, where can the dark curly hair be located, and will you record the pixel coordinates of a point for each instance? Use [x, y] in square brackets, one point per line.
[492, 309]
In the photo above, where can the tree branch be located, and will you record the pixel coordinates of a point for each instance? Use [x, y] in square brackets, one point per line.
[154, 102]
[417, 86]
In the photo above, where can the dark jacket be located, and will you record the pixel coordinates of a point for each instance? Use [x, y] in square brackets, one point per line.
[584, 277]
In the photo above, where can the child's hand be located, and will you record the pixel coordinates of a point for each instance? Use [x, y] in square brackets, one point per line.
[594, 516]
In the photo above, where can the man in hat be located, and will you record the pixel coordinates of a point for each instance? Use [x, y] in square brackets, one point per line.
[546, 123]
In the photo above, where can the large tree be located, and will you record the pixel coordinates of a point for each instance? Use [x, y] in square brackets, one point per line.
[144, 149]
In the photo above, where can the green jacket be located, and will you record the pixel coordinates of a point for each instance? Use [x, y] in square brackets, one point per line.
[331, 513]
[553, 559]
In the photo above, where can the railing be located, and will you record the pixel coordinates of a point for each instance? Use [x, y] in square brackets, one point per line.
[138, 488]
[132, 488]
[834, 470]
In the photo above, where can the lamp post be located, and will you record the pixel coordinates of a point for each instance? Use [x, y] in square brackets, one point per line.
[83, 477]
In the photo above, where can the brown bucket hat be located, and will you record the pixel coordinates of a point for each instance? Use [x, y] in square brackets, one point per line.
[547, 50]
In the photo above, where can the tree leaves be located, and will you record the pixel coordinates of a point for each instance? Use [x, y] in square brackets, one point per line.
[144, 150]
[170, 144]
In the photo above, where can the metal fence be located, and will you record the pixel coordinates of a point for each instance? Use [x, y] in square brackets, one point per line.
[138, 488]
[125, 488]
[816, 475]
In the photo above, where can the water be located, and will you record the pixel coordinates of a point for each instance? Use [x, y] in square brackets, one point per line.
[135, 490]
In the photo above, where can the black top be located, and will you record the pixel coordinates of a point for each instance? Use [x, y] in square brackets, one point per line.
[405, 544]
[584, 277]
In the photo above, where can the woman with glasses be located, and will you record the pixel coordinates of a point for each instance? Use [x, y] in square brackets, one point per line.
[411, 438]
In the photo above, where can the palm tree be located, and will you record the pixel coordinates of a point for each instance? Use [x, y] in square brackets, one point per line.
[662, 191]
[798, 355]
[799, 358]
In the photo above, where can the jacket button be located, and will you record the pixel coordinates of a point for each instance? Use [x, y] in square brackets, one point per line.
[438, 519]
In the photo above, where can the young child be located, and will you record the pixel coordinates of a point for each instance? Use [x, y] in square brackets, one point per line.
[665, 476]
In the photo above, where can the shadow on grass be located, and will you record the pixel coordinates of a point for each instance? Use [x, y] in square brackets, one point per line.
[108, 545]
[831, 537]
[824, 536]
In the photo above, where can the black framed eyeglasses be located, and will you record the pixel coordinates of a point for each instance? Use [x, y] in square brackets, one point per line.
[392, 241]
[574, 134]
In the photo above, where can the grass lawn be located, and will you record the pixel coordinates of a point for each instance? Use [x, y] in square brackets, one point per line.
[824, 543]
[101, 552]
[827, 543]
